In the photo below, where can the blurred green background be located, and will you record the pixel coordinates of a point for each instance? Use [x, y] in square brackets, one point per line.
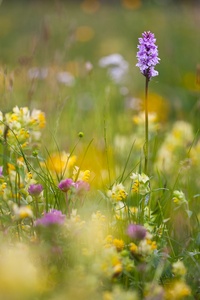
[43, 43]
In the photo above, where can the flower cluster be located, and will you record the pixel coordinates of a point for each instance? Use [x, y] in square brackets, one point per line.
[174, 147]
[79, 187]
[142, 246]
[147, 55]
[117, 193]
[136, 231]
[35, 189]
[179, 197]
[117, 243]
[21, 127]
[141, 183]
[178, 288]
[54, 217]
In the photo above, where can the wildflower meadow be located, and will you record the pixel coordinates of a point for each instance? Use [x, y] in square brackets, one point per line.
[100, 150]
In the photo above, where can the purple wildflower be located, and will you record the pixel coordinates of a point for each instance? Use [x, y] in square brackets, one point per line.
[147, 55]
[81, 187]
[1, 171]
[66, 184]
[137, 232]
[50, 218]
[35, 189]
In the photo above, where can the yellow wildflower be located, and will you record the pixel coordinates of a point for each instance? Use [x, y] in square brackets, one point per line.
[178, 268]
[117, 193]
[107, 296]
[22, 212]
[133, 248]
[177, 290]
[86, 175]
[3, 187]
[109, 239]
[119, 244]
[135, 186]
[42, 120]
[141, 183]
[60, 162]
[117, 268]
[29, 175]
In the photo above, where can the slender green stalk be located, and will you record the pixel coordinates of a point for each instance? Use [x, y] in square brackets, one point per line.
[167, 233]
[36, 208]
[106, 150]
[146, 147]
[81, 163]
[5, 151]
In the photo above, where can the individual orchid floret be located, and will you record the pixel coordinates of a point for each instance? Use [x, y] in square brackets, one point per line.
[54, 217]
[35, 189]
[66, 184]
[136, 231]
[147, 55]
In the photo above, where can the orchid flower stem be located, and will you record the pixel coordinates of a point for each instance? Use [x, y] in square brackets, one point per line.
[146, 148]
[36, 207]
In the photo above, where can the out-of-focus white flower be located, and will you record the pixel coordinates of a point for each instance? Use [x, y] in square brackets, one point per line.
[88, 66]
[117, 66]
[38, 73]
[66, 78]
[114, 59]
[22, 212]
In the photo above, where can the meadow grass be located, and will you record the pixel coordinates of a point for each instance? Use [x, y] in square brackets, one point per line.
[79, 218]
